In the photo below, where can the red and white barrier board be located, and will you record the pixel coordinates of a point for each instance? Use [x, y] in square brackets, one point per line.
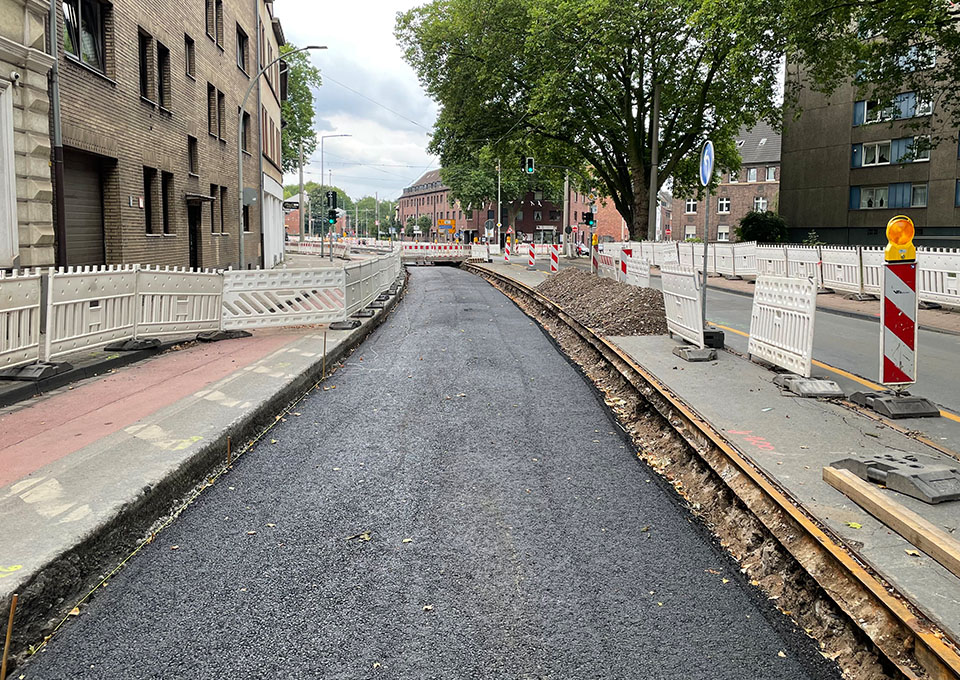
[506, 253]
[531, 256]
[898, 319]
[554, 258]
[624, 254]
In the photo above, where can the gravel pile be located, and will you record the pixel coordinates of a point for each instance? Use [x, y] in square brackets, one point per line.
[606, 306]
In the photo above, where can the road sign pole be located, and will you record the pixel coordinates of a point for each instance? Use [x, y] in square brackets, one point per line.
[706, 175]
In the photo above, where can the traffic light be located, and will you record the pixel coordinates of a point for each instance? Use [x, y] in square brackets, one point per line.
[526, 164]
[590, 219]
[332, 199]
[332, 216]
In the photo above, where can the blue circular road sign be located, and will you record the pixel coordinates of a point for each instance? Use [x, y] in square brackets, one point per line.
[706, 163]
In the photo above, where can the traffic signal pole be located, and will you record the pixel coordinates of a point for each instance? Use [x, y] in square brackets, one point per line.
[301, 193]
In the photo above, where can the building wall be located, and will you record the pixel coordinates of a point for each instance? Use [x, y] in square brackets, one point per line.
[26, 218]
[105, 115]
[822, 172]
[742, 196]
[268, 38]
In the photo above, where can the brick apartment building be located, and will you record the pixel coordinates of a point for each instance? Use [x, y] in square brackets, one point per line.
[536, 219]
[150, 96]
[755, 187]
[272, 91]
[612, 227]
[849, 166]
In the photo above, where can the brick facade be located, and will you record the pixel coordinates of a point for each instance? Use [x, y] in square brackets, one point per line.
[122, 131]
[26, 218]
[612, 227]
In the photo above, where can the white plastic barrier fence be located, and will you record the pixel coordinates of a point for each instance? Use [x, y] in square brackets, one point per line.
[938, 277]
[19, 318]
[479, 253]
[745, 258]
[282, 297]
[435, 251]
[724, 261]
[638, 272]
[771, 260]
[606, 266]
[781, 322]
[803, 262]
[681, 300]
[88, 307]
[872, 259]
[840, 268]
[177, 302]
[686, 254]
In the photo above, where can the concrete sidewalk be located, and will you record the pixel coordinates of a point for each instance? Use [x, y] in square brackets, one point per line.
[86, 470]
[791, 440]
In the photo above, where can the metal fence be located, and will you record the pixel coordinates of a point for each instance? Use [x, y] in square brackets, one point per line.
[781, 322]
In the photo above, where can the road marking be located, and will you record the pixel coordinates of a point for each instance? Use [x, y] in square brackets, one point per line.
[839, 371]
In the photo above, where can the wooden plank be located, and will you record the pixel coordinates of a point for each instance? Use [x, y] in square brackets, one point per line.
[929, 538]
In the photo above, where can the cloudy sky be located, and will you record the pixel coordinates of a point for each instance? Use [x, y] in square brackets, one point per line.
[386, 151]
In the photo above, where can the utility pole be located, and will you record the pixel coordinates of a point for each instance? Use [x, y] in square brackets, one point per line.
[497, 235]
[376, 203]
[356, 215]
[654, 204]
[302, 205]
[566, 214]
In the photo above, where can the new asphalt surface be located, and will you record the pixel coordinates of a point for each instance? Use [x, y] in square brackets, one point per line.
[439, 514]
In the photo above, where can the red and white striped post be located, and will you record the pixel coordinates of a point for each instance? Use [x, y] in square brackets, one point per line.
[624, 254]
[531, 256]
[506, 252]
[898, 316]
[554, 258]
[594, 261]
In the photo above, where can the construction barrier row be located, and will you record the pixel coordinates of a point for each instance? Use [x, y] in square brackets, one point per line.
[89, 307]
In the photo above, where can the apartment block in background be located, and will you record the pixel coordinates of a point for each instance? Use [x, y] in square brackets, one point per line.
[755, 187]
[150, 101]
[849, 165]
[26, 218]
[273, 90]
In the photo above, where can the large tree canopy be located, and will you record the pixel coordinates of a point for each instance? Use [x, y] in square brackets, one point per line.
[576, 76]
[297, 109]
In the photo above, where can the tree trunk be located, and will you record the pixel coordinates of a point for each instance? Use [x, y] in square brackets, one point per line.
[641, 206]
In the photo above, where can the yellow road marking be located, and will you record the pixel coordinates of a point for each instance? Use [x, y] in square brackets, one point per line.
[839, 371]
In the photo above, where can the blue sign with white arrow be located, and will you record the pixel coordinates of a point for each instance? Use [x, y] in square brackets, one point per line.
[706, 163]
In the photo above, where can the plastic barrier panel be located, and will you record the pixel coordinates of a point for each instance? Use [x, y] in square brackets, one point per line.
[840, 268]
[282, 297]
[803, 262]
[872, 270]
[638, 272]
[173, 302]
[771, 261]
[939, 275]
[88, 307]
[666, 251]
[745, 258]
[781, 322]
[724, 262]
[19, 318]
[606, 266]
[681, 300]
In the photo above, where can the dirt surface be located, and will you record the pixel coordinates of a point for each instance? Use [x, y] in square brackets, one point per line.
[606, 306]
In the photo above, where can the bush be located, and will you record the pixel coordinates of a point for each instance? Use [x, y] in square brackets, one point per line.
[762, 227]
[813, 239]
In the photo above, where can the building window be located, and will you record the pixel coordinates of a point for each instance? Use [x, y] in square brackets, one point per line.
[875, 113]
[751, 174]
[873, 198]
[223, 210]
[876, 153]
[214, 208]
[924, 107]
[956, 199]
[690, 206]
[211, 18]
[193, 155]
[734, 177]
[538, 215]
[920, 146]
[771, 174]
[490, 214]
[218, 11]
[163, 75]
[918, 196]
[146, 67]
[690, 231]
[212, 110]
[723, 205]
[83, 34]
[245, 131]
[166, 198]
[759, 204]
[149, 187]
[242, 45]
[221, 115]
[554, 215]
[190, 55]
[519, 217]
[723, 232]
[246, 218]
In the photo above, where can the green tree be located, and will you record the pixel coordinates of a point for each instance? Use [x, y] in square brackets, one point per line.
[298, 111]
[579, 75]
[410, 226]
[318, 205]
[762, 227]
[425, 222]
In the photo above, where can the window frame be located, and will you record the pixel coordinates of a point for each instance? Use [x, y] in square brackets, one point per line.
[913, 193]
[686, 228]
[164, 77]
[243, 50]
[76, 35]
[193, 156]
[926, 158]
[166, 202]
[876, 146]
[190, 56]
[723, 235]
[149, 186]
[724, 199]
[771, 173]
[686, 206]
[751, 175]
[927, 107]
[873, 192]
[144, 50]
[757, 201]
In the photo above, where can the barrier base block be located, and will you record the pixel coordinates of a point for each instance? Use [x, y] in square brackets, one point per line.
[921, 477]
[812, 388]
[217, 336]
[713, 337]
[347, 325]
[690, 353]
[133, 345]
[364, 313]
[892, 405]
[35, 372]
[375, 305]
[383, 297]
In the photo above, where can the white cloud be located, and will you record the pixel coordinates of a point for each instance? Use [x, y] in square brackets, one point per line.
[385, 151]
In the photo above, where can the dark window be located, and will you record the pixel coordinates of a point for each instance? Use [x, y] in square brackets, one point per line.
[221, 115]
[190, 55]
[223, 210]
[166, 198]
[214, 209]
[83, 34]
[246, 218]
[211, 19]
[490, 214]
[245, 131]
[212, 123]
[219, 17]
[149, 187]
[146, 68]
[163, 75]
[193, 154]
[242, 46]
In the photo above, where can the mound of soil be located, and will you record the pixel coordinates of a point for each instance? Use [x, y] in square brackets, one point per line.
[604, 305]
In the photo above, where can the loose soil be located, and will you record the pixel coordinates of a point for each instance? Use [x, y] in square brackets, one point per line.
[606, 306]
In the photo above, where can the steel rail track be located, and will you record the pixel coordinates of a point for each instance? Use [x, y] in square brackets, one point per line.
[908, 640]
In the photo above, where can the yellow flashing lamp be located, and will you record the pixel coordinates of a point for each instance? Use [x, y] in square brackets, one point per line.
[900, 248]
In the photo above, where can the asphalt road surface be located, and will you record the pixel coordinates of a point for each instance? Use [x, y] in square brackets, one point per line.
[539, 546]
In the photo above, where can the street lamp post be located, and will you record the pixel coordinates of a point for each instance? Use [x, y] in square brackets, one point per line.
[243, 105]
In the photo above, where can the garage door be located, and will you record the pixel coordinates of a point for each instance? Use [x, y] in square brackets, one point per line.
[83, 199]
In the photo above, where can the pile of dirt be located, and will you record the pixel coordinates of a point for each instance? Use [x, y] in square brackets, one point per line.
[606, 306]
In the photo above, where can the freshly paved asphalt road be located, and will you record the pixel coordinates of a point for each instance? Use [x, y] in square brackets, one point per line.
[540, 547]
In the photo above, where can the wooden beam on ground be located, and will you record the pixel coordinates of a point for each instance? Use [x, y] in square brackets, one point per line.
[929, 538]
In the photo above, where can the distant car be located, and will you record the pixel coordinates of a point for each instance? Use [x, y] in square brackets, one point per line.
[582, 249]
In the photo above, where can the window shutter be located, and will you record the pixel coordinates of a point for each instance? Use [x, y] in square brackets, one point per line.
[856, 159]
[854, 198]
[898, 149]
[899, 195]
[859, 111]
